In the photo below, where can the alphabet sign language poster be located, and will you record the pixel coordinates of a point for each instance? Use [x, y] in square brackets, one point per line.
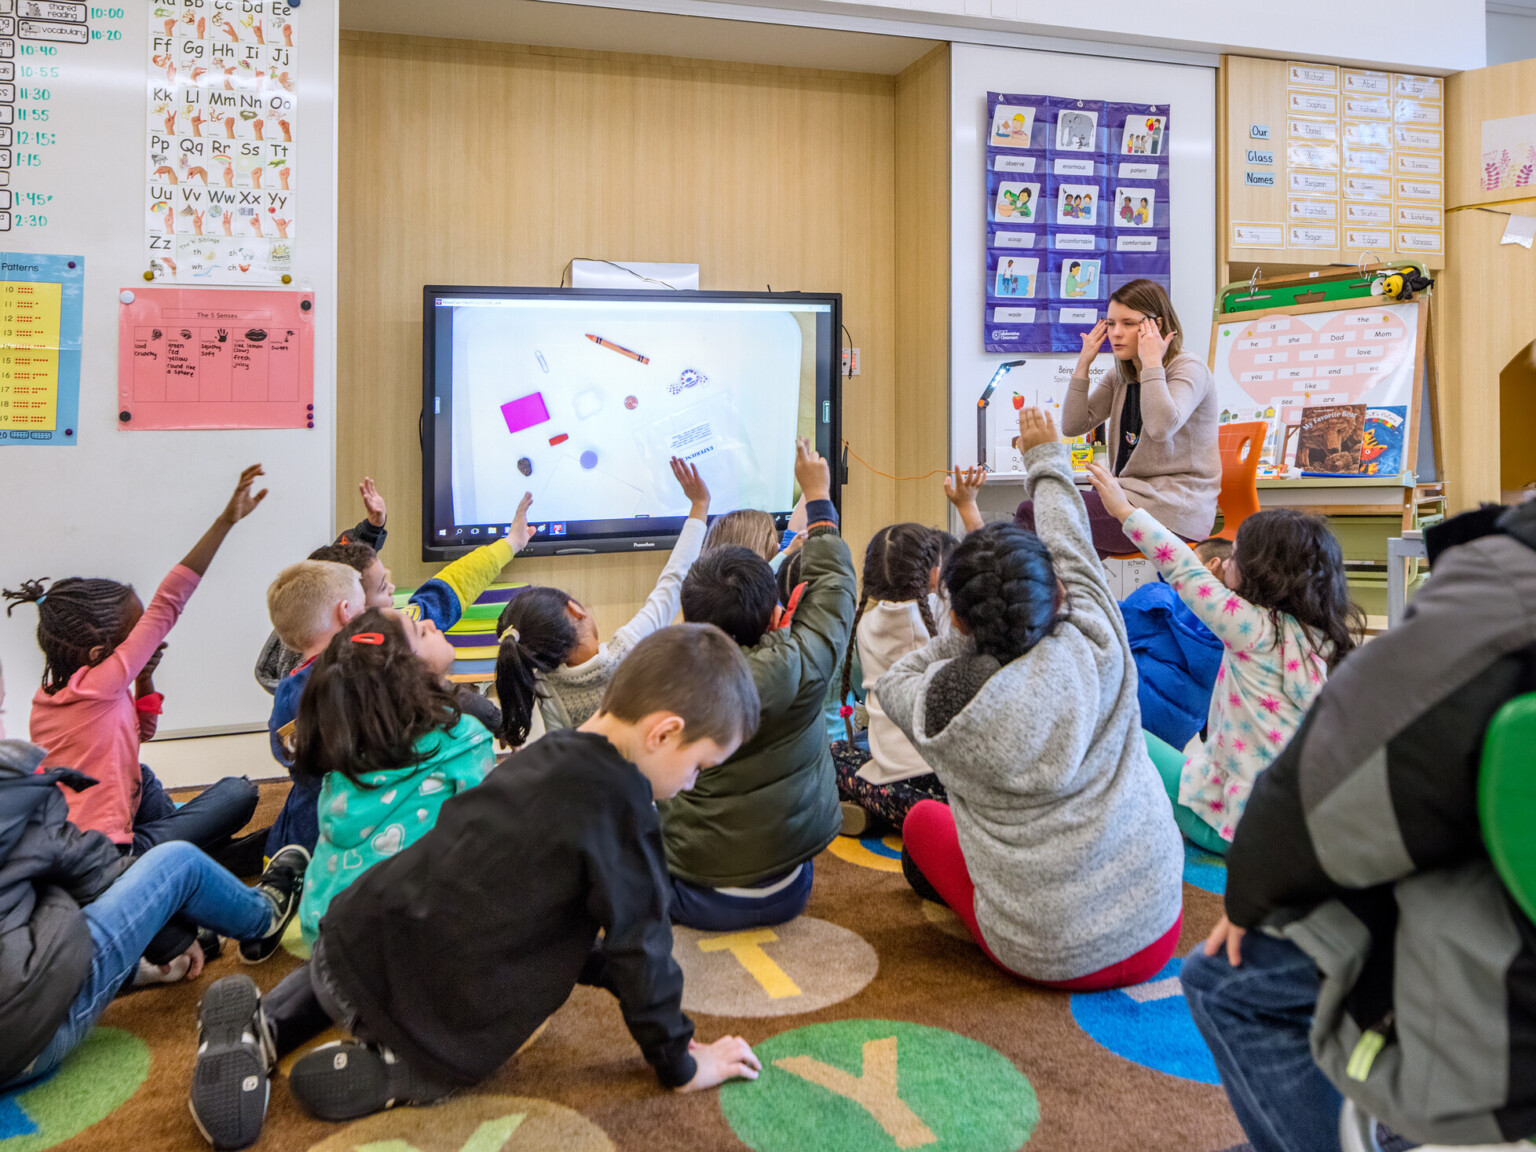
[220, 156]
[188, 358]
[1077, 205]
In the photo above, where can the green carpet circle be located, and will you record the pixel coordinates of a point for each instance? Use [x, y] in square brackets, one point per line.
[879, 1085]
[94, 1081]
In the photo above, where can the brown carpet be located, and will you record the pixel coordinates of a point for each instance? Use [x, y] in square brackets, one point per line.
[871, 952]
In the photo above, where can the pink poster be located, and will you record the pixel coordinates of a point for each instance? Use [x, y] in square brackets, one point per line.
[200, 358]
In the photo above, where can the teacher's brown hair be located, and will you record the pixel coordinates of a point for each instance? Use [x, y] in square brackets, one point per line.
[1150, 299]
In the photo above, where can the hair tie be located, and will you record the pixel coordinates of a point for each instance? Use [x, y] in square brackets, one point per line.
[43, 597]
[517, 637]
[368, 638]
[845, 711]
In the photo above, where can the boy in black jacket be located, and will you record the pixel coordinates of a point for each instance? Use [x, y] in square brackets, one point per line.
[442, 961]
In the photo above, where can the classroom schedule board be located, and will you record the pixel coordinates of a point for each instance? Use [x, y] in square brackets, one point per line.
[1278, 366]
[1077, 205]
[41, 299]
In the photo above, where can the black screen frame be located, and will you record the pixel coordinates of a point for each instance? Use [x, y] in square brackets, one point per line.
[436, 423]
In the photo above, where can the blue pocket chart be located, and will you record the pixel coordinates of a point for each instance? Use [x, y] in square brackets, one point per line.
[1077, 206]
[41, 299]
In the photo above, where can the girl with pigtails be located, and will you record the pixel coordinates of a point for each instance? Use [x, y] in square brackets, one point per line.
[1058, 848]
[898, 614]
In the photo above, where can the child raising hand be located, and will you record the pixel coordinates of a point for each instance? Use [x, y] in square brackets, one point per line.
[1280, 606]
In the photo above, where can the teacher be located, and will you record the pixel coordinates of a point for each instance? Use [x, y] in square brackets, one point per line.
[1160, 402]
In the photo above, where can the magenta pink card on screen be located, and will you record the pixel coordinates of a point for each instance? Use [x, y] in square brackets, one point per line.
[204, 358]
[525, 412]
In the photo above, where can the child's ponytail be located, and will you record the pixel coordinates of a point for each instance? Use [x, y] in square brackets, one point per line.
[537, 634]
[74, 617]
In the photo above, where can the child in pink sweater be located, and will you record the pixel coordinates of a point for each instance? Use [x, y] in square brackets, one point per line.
[97, 700]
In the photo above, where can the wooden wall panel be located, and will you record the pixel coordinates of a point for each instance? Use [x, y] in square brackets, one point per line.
[1485, 293]
[478, 163]
[922, 285]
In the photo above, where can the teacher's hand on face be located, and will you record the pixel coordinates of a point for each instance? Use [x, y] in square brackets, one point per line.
[1093, 344]
[1151, 344]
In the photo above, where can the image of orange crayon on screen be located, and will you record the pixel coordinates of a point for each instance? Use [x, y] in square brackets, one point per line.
[619, 348]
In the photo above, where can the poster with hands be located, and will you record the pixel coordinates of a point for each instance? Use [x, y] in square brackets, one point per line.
[222, 117]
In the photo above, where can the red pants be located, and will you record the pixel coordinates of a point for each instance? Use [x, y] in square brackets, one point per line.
[930, 839]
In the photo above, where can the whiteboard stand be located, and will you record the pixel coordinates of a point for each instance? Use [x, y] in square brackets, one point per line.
[1401, 549]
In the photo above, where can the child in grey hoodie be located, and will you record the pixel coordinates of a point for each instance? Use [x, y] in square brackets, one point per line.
[1058, 847]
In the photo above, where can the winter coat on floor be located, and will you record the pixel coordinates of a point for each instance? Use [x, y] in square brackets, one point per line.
[1177, 658]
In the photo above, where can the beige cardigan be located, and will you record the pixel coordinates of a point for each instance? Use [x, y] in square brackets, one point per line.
[1174, 472]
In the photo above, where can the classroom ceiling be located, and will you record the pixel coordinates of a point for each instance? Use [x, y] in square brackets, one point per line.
[625, 30]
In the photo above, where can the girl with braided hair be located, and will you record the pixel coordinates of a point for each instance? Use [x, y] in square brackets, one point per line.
[97, 701]
[1058, 847]
[897, 614]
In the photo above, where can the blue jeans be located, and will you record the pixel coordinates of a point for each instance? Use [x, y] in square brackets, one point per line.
[711, 910]
[171, 878]
[1255, 1018]
[208, 820]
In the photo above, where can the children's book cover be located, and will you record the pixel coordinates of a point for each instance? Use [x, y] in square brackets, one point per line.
[1331, 439]
[1382, 454]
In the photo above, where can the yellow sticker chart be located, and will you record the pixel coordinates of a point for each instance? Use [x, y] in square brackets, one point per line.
[29, 355]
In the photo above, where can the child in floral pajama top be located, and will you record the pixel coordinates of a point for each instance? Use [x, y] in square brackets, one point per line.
[1280, 639]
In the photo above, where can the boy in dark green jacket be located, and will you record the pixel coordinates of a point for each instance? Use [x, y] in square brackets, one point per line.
[739, 845]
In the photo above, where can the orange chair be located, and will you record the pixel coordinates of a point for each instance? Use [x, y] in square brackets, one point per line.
[1239, 496]
[1240, 445]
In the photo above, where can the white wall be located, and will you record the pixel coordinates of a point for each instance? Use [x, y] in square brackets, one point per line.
[128, 505]
[1434, 35]
[1190, 91]
[1511, 36]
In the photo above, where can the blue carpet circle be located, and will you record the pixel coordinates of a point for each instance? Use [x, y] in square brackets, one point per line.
[1205, 870]
[1148, 1024]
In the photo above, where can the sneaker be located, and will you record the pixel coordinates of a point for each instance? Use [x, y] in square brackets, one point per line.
[235, 1054]
[283, 884]
[856, 821]
[344, 1080]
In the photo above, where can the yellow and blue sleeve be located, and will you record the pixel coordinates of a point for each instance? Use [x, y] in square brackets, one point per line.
[442, 598]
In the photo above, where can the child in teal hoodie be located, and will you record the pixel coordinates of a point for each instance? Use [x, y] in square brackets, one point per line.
[384, 732]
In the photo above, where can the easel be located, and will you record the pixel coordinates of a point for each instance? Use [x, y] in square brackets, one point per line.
[1336, 291]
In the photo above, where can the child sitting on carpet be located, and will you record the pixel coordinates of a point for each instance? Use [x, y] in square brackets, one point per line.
[740, 845]
[1281, 608]
[896, 616]
[549, 652]
[97, 703]
[383, 733]
[469, 974]
[437, 605]
[1057, 848]
[357, 547]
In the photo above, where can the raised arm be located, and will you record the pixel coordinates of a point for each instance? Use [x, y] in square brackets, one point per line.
[1061, 519]
[442, 598]
[660, 607]
[824, 619]
[1086, 407]
[1167, 399]
[960, 488]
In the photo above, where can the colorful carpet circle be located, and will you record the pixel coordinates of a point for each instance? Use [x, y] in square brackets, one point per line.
[781, 971]
[879, 1086]
[97, 1078]
[1205, 870]
[1148, 1024]
[882, 853]
[472, 1124]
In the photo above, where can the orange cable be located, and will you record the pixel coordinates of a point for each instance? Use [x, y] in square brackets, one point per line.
[887, 475]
